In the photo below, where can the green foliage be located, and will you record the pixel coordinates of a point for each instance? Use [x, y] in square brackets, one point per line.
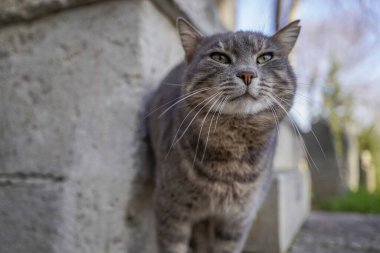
[339, 107]
[369, 140]
[360, 201]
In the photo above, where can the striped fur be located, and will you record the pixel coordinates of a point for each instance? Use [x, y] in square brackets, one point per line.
[214, 146]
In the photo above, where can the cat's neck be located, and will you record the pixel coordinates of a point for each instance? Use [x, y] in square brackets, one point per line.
[231, 135]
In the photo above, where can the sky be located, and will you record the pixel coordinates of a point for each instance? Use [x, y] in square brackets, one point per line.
[255, 15]
[328, 31]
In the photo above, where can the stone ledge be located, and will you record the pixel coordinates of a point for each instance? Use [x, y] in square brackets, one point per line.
[282, 213]
[13, 11]
[201, 13]
[7, 179]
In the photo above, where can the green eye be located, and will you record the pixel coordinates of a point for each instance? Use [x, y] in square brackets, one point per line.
[264, 58]
[220, 57]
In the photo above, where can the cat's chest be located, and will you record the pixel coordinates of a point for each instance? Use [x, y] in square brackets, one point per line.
[225, 182]
[237, 134]
[232, 199]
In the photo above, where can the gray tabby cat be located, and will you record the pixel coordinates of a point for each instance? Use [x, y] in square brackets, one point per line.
[212, 127]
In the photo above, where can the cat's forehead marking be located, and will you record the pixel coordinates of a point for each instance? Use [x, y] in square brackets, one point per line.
[220, 44]
[259, 42]
[242, 42]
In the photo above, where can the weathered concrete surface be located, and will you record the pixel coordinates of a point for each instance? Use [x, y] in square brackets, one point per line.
[18, 10]
[339, 233]
[289, 151]
[201, 13]
[33, 225]
[72, 97]
[282, 214]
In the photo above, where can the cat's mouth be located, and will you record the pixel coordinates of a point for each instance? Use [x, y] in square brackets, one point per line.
[245, 95]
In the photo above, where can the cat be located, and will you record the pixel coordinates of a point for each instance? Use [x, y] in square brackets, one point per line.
[213, 126]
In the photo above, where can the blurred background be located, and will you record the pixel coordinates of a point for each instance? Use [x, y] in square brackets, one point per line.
[75, 76]
[335, 61]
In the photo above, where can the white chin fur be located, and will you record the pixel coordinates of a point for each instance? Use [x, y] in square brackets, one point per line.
[245, 106]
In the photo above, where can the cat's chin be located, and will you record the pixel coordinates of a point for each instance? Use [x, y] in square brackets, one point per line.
[246, 95]
[246, 105]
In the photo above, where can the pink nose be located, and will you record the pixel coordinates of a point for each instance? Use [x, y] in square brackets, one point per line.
[246, 76]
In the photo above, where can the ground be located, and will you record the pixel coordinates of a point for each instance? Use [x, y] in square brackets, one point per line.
[338, 233]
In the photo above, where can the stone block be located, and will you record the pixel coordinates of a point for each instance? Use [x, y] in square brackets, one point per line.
[289, 152]
[72, 103]
[282, 214]
[11, 11]
[30, 216]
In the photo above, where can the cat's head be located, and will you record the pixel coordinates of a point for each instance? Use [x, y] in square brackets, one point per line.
[240, 73]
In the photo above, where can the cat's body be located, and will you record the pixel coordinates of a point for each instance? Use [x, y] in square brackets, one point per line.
[214, 148]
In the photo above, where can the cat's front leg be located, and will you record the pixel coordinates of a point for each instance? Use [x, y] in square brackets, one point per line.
[173, 235]
[173, 229]
[229, 235]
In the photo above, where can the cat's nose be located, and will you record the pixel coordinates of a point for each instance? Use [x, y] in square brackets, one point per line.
[246, 76]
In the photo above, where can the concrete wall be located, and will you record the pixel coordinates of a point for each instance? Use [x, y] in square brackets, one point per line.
[72, 90]
[283, 213]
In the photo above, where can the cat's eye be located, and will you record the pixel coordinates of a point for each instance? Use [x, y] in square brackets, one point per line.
[220, 57]
[264, 58]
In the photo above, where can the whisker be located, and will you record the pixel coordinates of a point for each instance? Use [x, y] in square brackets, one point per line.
[275, 118]
[292, 91]
[289, 82]
[172, 84]
[176, 99]
[200, 131]
[299, 114]
[180, 101]
[187, 83]
[308, 156]
[175, 140]
[220, 111]
[209, 128]
[225, 89]
[209, 99]
[228, 84]
[228, 88]
[300, 96]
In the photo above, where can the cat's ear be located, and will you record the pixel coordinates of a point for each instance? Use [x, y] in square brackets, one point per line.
[288, 35]
[190, 37]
